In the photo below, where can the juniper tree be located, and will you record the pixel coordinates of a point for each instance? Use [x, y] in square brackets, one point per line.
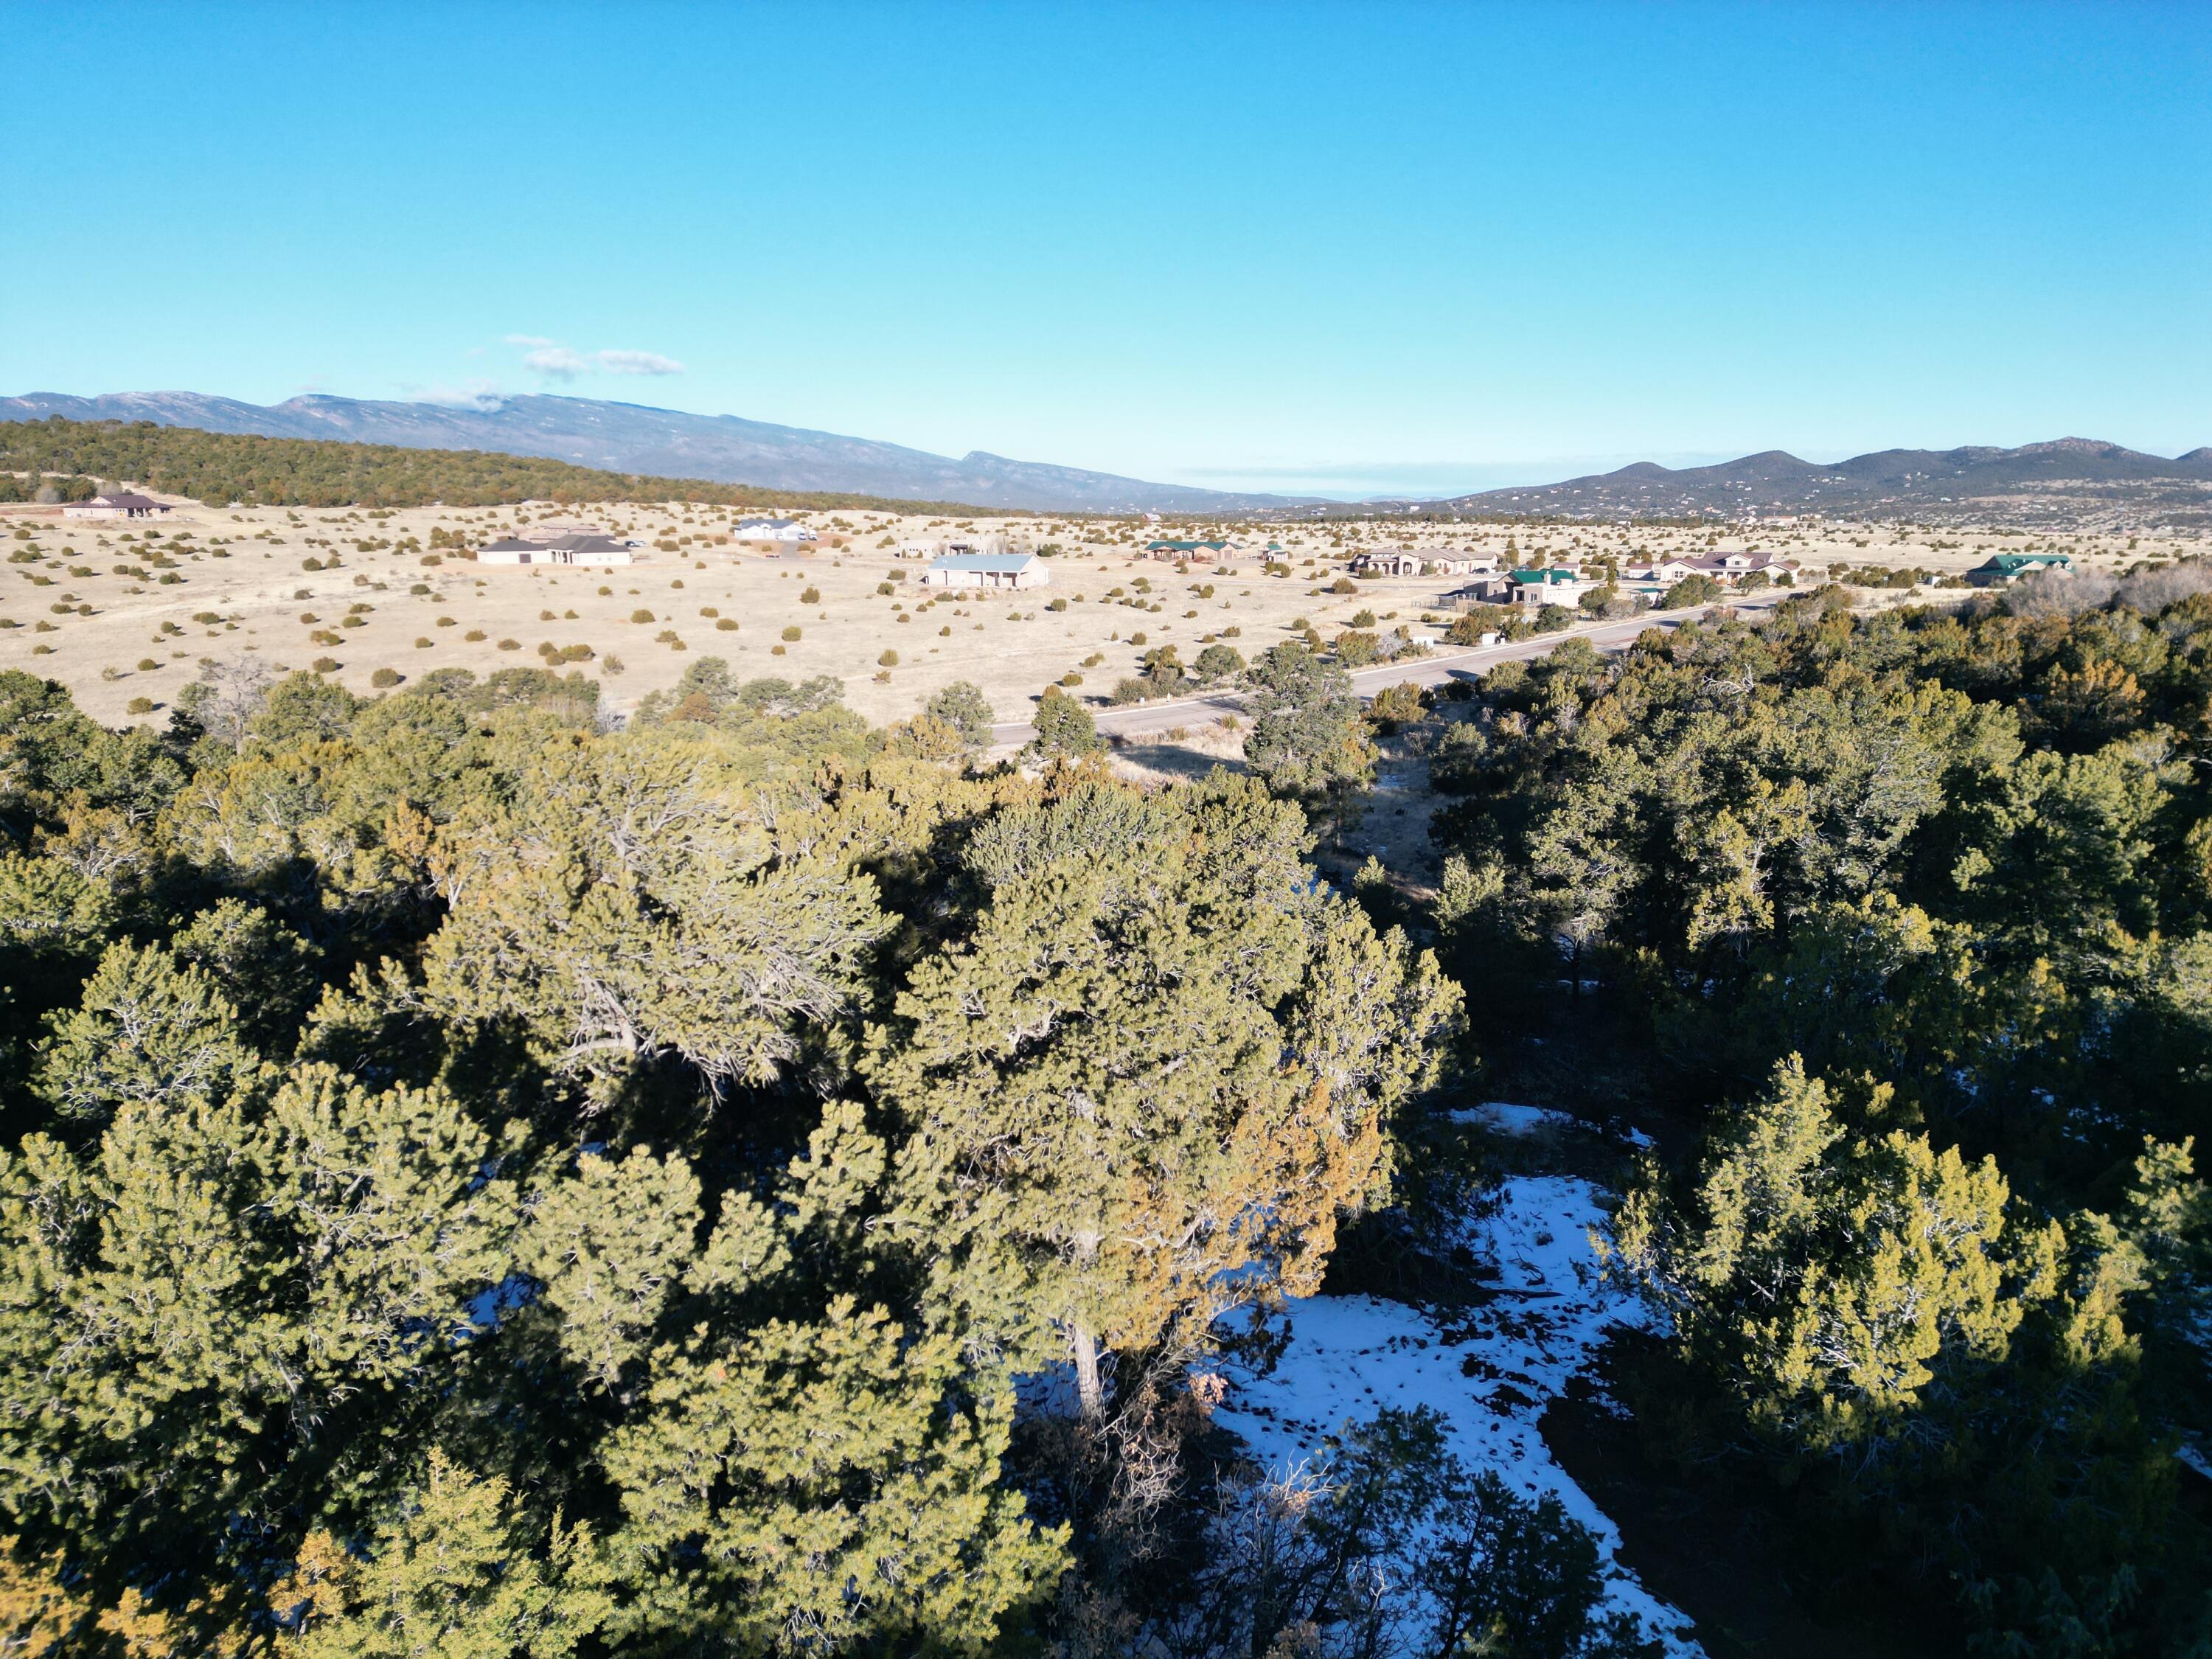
[1064, 729]
[639, 898]
[194, 1299]
[961, 705]
[1822, 1280]
[808, 1469]
[148, 1028]
[1307, 735]
[1145, 1087]
[451, 1574]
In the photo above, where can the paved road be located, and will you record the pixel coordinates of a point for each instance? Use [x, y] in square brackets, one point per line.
[1433, 669]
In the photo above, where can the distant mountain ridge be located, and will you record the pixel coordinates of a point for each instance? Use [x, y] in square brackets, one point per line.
[634, 438]
[2073, 478]
[2078, 482]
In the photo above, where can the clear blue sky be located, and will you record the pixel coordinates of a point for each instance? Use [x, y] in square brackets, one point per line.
[1341, 247]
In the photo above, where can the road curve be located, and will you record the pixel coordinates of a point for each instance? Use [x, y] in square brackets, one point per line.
[1141, 719]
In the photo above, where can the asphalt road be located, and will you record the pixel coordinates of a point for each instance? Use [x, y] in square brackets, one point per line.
[1433, 669]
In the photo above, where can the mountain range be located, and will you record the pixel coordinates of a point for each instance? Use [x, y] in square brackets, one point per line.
[2076, 480]
[2072, 481]
[632, 438]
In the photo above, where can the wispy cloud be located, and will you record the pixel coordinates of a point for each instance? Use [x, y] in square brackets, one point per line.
[557, 361]
[638, 363]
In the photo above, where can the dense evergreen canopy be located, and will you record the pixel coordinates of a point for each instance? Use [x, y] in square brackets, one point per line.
[482, 1178]
[1928, 894]
[481, 1183]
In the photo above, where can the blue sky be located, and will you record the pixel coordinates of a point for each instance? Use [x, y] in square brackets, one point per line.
[1342, 248]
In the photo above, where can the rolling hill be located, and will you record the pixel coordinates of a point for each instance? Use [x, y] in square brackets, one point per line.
[2072, 480]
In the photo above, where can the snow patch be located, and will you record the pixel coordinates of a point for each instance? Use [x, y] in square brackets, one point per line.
[1506, 1118]
[1489, 1372]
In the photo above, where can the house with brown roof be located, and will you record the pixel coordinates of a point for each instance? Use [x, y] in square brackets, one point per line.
[116, 504]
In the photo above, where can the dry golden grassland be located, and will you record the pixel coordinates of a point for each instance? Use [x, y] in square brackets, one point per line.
[123, 612]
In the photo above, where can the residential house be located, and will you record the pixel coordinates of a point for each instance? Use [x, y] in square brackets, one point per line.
[1721, 567]
[116, 504]
[987, 570]
[788, 532]
[2005, 568]
[1557, 586]
[1172, 549]
[1488, 587]
[579, 549]
[1388, 564]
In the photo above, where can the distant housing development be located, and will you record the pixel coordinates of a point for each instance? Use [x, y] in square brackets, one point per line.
[120, 505]
[987, 570]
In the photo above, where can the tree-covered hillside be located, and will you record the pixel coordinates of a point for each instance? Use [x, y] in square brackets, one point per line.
[219, 468]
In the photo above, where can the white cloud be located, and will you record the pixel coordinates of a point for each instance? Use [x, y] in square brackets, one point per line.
[562, 362]
[638, 363]
[556, 361]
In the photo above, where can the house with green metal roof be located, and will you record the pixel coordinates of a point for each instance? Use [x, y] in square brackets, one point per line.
[1168, 549]
[2007, 568]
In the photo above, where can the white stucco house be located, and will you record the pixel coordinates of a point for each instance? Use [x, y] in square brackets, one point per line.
[594, 551]
[788, 532]
[1554, 586]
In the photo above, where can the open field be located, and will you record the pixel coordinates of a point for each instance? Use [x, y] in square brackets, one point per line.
[121, 611]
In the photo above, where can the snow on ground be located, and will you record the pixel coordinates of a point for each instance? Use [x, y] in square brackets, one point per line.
[1506, 1118]
[1490, 1372]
